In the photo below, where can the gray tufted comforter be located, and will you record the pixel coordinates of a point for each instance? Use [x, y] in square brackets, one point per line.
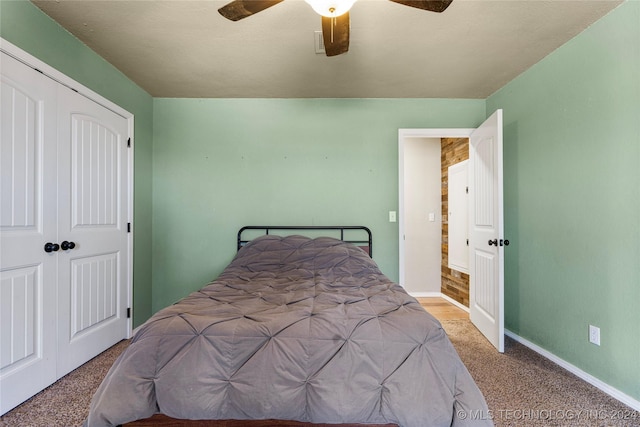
[293, 329]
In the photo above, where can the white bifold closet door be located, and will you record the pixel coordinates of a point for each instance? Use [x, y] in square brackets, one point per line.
[64, 243]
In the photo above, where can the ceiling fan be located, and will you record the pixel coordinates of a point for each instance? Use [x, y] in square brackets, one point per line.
[335, 16]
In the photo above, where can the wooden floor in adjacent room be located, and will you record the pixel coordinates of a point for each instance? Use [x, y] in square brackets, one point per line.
[442, 309]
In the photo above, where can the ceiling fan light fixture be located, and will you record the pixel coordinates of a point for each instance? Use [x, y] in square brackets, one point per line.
[331, 8]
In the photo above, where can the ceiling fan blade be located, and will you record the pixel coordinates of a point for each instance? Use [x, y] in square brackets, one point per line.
[239, 9]
[335, 33]
[430, 5]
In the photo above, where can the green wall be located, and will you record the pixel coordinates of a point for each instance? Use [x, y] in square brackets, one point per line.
[220, 164]
[572, 181]
[24, 25]
[572, 200]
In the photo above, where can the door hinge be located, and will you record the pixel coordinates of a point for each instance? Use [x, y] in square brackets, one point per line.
[129, 143]
[128, 227]
[128, 312]
[466, 190]
[467, 242]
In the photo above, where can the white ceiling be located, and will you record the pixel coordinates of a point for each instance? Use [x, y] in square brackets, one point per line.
[184, 48]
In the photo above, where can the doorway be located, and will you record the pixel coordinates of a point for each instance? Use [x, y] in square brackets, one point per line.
[409, 220]
[485, 221]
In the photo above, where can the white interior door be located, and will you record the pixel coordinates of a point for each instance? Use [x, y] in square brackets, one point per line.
[28, 220]
[92, 294]
[486, 231]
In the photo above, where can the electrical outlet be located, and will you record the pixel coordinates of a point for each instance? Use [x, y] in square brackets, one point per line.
[594, 335]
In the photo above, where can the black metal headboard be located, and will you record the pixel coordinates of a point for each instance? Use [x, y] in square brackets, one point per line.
[340, 228]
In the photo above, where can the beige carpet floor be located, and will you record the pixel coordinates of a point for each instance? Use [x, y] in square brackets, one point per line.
[521, 389]
[66, 402]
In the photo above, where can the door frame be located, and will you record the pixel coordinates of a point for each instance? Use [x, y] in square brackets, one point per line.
[33, 62]
[403, 135]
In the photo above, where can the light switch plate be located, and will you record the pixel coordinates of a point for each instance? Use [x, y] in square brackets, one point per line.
[594, 335]
[392, 216]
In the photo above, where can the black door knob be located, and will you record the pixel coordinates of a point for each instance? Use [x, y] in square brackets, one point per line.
[504, 242]
[51, 247]
[493, 242]
[67, 245]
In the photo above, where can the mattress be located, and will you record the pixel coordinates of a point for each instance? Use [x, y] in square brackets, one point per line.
[293, 329]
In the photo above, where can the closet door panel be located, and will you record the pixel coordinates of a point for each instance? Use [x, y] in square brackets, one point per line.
[95, 159]
[20, 147]
[20, 289]
[94, 292]
[93, 206]
[28, 220]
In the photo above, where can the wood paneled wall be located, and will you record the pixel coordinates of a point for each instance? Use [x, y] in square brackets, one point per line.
[455, 284]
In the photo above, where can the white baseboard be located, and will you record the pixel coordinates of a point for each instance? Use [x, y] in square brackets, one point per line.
[425, 294]
[454, 302]
[611, 391]
[599, 384]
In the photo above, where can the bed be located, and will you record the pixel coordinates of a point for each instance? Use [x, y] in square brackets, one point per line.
[296, 331]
